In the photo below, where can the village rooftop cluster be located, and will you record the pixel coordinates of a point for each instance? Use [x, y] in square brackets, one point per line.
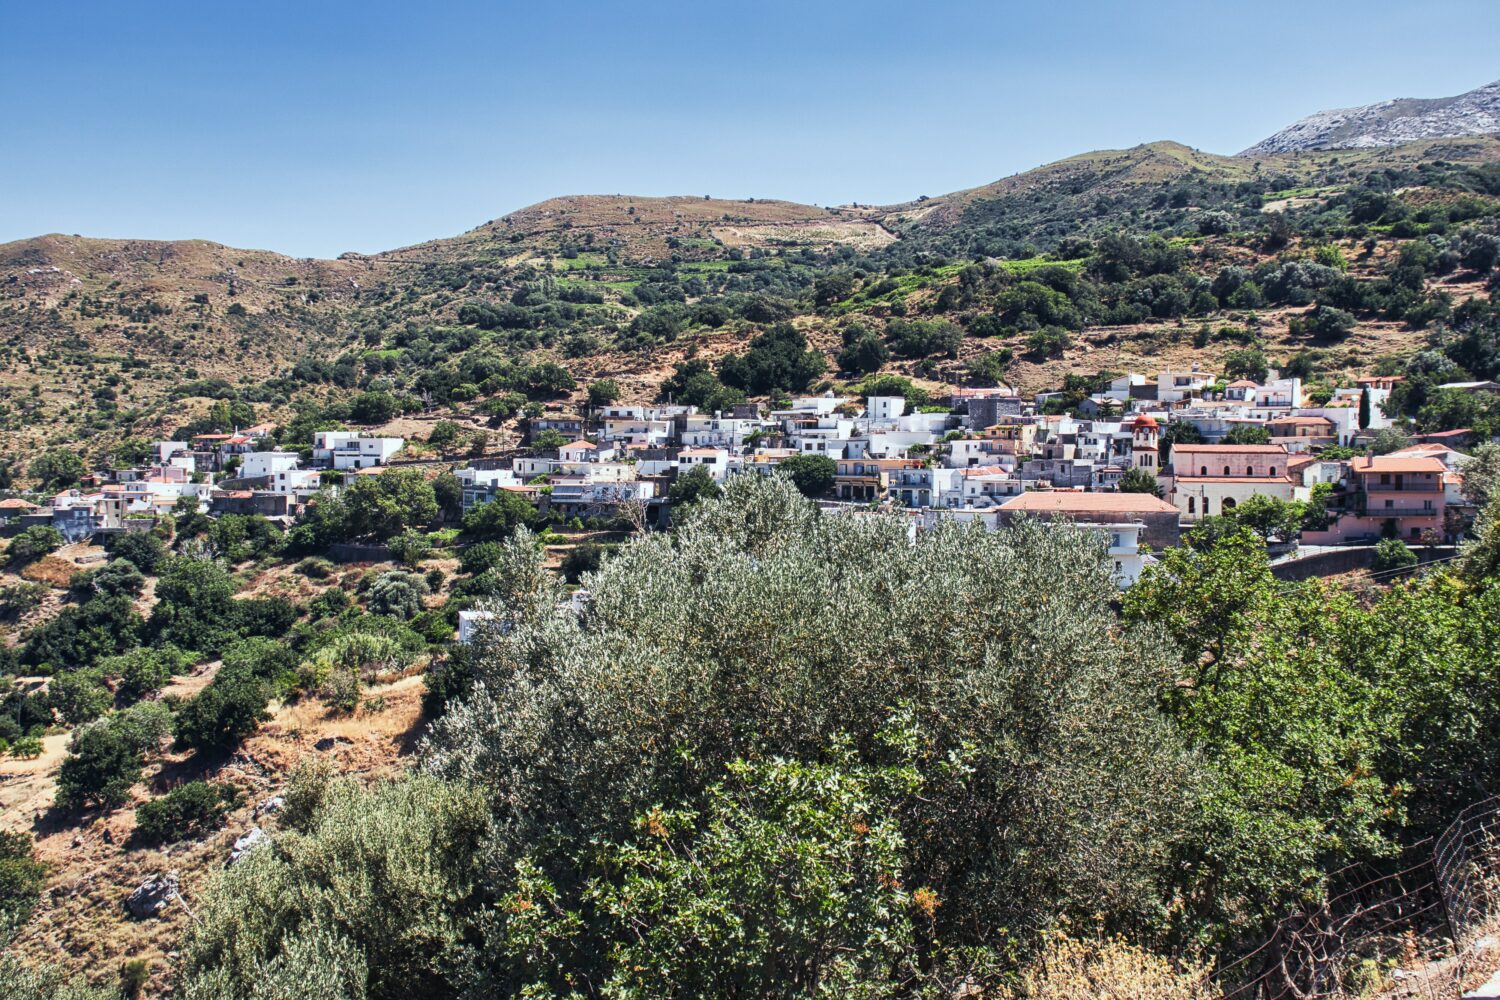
[989, 455]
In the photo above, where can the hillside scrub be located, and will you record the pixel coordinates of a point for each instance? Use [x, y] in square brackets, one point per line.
[784, 753]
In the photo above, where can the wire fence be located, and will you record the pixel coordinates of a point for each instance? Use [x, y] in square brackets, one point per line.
[1442, 893]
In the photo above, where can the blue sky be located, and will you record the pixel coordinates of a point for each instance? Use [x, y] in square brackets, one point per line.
[318, 127]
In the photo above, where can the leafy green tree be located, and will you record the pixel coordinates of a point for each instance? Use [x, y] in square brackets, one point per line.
[500, 517]
[693, 383]
[480, 556]
[813, 475]
[443, 434]
[195, 606]
[990, 368]
[232, 707]
[144, 671]
[1364, 408]
[57, 469]
[116, 578]
[603, 392]
[804, 854]
[1272, 696]
[864, 352]
[548, 439]
[79, 696]
[79, 635]
[1270, 517]
[1247, 434]
[778, 358]
[923, 338]
[34, 542]
[1138, 480]
[373, 408]
[105, 757]
[695, 484]
[1247, 363]
[1177, 432]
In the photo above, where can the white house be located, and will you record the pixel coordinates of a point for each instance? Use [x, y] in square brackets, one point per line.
[346, 450]
[714, 460]
[1174, 386]
[259, 464]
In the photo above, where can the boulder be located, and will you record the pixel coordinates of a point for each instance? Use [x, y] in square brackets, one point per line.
[247, 843]
[151, 895]
[270, 806]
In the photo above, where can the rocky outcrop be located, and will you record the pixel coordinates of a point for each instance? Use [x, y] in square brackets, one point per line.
[152, 895]
[1390, 123]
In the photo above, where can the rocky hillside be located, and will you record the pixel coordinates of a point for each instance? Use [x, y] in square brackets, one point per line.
[1389, 123]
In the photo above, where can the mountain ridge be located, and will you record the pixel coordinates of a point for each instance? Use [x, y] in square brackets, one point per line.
[1389, 123]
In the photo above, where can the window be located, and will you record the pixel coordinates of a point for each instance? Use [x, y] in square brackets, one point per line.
[1385, 479]
[1203, 471]
[1389, 504]
[1249, 471]
[1192, 505]
[1273, 470]
[1426, 504]
[1227, 472]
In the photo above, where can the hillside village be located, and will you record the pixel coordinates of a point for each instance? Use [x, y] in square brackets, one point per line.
[1141, 456]
[1082, 584]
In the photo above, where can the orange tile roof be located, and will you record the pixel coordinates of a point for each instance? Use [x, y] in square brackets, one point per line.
[1397, 464]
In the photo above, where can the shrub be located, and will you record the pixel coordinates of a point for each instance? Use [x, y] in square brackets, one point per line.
[20, 598]
[27, 748]
[79, 696]
[188, 810]
[232, 707]
[142, 548]
[398, 594]
[21, 878]
[1393, 554]
[104, 758]
[33, 543]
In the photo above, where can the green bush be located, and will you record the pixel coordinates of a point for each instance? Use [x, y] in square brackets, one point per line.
[189, 810]
[105, 757]
[33, 543]
[232, 707]
[21, 878]
[1393, 554]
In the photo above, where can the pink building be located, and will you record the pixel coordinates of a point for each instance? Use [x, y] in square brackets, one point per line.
[1399, 496]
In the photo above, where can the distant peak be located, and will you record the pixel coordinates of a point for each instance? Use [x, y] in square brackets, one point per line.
[1390, 123]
